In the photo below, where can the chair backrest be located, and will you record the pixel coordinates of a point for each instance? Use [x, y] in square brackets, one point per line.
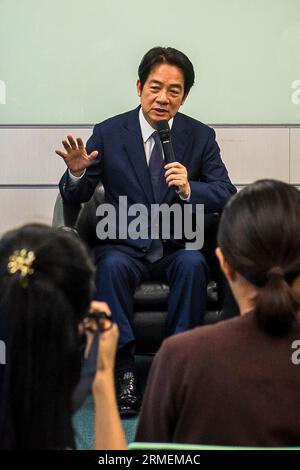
[87, 219]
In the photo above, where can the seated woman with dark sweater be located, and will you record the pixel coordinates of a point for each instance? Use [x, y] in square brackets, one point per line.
[234, 383]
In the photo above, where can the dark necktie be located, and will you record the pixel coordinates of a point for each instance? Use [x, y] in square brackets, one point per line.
[155, 166]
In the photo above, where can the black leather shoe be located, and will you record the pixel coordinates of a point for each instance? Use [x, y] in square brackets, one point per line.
[128, 396]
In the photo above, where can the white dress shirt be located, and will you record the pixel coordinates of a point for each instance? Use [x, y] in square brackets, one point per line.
[147, 132]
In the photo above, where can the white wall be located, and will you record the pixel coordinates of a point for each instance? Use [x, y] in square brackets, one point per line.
[30, 169]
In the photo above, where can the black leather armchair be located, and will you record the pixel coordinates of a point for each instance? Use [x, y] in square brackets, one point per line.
[151, 299]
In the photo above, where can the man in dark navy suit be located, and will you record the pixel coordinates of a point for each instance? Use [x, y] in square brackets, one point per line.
[125, 153]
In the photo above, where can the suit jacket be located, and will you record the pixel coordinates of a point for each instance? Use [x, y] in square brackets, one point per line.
[121, 166]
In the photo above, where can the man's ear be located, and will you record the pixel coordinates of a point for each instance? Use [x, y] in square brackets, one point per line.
[183, 100]
[226, 268]
[138, 88]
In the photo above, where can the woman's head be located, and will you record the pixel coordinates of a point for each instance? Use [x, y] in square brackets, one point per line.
[46, 285]
[259, 237]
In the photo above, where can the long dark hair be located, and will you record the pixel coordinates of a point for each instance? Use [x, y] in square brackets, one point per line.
[41, 313]
[259, 235]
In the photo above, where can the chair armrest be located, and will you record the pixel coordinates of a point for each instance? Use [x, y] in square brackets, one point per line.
[65, 214]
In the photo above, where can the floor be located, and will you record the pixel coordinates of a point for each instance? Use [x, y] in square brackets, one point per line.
[85, 417]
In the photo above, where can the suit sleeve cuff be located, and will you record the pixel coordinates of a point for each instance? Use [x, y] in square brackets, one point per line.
[187, 198]
[75, 179]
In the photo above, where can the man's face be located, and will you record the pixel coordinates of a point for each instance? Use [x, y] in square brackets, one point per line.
[162, 94]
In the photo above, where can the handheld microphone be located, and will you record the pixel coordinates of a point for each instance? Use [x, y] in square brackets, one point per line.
[164, 133]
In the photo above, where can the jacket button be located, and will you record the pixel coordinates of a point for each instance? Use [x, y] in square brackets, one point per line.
[144, 249]
[164, 240]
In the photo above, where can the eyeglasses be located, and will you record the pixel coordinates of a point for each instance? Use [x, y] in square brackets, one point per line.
[98, 322]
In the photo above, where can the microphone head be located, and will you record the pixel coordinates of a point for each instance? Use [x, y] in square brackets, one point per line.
[162, 125]
[163, 130]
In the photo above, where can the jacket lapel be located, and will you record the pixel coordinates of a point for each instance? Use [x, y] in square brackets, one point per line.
[133, 144]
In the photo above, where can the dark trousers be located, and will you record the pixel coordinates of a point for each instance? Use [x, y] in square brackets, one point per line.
[185, 271]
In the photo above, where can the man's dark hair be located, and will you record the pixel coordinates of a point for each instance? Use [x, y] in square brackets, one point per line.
[167, 55]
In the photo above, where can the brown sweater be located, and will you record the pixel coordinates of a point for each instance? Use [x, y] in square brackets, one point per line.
[228, 384]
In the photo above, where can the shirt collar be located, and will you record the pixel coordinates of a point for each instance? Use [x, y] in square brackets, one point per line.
[146, 129]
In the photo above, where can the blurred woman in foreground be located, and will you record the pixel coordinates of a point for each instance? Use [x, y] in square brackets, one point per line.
[46, 288]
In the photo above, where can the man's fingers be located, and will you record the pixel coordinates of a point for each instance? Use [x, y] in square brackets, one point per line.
[72, 142]
[174, 171]
[61, 154]
[66, 145]
[173, 165]
[80, 143]
[175, 183]
[174, 178]
[180, 177]
[93, 155]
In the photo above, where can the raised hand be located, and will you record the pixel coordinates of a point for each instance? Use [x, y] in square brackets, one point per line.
[76, 157]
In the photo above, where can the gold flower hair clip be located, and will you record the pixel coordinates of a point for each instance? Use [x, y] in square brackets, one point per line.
[21, 261]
